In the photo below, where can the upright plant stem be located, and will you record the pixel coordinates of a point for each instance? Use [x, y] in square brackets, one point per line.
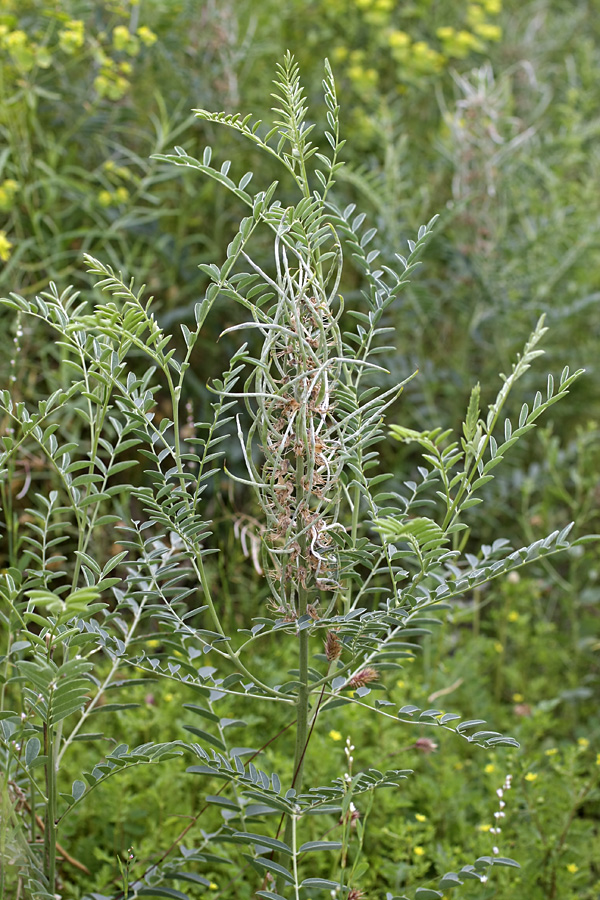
[50, 829]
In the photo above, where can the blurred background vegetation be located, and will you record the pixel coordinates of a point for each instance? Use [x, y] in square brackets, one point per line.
[487, 113]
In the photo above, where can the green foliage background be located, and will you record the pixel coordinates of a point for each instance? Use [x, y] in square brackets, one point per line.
[486, 113]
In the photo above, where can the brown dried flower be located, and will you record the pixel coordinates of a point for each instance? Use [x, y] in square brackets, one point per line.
[425, 745]
[363, 677]
[333, 648]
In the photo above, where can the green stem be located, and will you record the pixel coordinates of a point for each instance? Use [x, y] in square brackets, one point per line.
[50, 829]
[293, 821]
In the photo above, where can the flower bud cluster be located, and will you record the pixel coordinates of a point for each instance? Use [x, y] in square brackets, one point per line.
[500, 814]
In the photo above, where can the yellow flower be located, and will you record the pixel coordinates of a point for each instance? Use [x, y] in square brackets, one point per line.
[335, 735]
[5, 246]
[400, 683]
[71, 38]
[167, 698]
[362, 78]
[124, 41]
[122, 195]
[146, 36]
[154, 642]
[16, 39]
[8, 189]
[518, 698]
[484, 827]
[551, 751]
[425, 58]
[498, 647]
[583, 743]
[572, 868]
[488, 32]
[513, 616]
[492, 7]
[120, 37]
[213, 886]
[598, 759]
[475, 14]
[489, 768]
[420, 817]
[105, 198]
[419, 851]
[531, 776]
[398, 38]
[20, 49]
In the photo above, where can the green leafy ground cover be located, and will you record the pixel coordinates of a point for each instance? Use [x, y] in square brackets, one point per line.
[485, 113]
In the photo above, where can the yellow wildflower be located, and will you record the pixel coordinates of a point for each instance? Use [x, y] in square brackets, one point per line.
[551, 751]
[583, 743]
[518, 698]
[419, 851]
[397, 38]
[513, 616]
[572, 868]
[598, 759]
[400, 683]
[5, 246]
[475, 14]
[71, 38]
[498, 647]
[146, 36]
[8, 189]
[105, 198]
[489, 768]
[124, 41]
[420, 817]
[484, 827]
[167, 698]
[340, 53]
[335, 735]
[531, 776]
[488, 31]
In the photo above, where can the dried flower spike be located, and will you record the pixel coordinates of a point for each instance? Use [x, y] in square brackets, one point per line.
[333, 648]
[362, 678]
